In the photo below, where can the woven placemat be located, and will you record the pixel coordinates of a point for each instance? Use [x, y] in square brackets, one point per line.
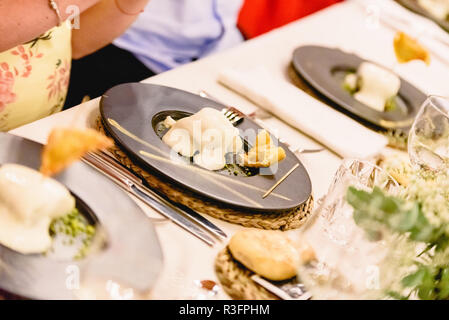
[397, 138]
[235, 279]
[275, 221]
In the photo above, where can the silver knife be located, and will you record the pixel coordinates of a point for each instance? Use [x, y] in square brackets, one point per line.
[295, 149]
[110, 161]
[154, 201]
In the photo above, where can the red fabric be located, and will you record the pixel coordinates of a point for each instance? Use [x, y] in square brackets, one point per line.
[260, 16]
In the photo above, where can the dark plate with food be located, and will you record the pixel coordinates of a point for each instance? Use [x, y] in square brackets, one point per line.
[230, 165]
[364, 89]
[435, 10]
[71, 235]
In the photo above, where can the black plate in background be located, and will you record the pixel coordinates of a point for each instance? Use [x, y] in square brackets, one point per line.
[414, 6]
[324, 69]
[135, 106]
[128, 230]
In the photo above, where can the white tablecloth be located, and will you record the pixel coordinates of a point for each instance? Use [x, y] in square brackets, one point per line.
[344, 25]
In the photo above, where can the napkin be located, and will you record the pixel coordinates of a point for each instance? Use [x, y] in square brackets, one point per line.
[333, 129]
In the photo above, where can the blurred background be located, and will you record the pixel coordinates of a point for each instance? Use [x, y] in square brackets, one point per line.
[171, 33]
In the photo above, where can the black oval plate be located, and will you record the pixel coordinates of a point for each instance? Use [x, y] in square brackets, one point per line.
[130, 235]
[414, 6]
[324, 68]
[135, 106]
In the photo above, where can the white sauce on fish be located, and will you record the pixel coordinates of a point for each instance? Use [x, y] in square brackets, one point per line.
[207, 136]
[377, 86]
[29, 202]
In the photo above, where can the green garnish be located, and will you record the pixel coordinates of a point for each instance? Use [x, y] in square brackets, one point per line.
[347, 86]
[236, 170]
[349, 89]
[391, 104]
[74, 226]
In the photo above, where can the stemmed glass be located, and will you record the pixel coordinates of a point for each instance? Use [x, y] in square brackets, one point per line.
[346, 264]
[428, 143]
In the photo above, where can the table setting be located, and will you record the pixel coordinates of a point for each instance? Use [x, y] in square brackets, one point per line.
[307, 163]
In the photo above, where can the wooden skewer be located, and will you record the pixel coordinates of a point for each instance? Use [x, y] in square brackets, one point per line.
[211, 174]
[192, 168]
[280, 181]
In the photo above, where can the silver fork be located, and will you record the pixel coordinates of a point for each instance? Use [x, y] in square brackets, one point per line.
[235, 116]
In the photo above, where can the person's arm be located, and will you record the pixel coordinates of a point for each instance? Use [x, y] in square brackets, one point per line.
[25, 20]
[102, 23]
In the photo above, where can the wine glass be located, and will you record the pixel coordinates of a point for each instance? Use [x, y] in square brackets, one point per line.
[346, 264]
[428, 144]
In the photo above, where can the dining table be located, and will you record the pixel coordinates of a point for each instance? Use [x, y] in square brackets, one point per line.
[349, 26]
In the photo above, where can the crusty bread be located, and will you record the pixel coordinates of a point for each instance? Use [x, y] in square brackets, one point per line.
[270, 254]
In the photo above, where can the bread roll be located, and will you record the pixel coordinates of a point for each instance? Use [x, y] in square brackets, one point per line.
[270, 254]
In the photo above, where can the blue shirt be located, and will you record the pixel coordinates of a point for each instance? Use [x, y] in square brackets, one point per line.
[174, 32]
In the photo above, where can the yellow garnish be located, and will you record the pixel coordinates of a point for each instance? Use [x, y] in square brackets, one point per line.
[264, 153]
[66, 146]
[408, 49]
